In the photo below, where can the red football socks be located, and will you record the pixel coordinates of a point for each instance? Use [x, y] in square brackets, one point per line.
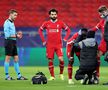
[70, 70]
[61, 67]
[51, 68]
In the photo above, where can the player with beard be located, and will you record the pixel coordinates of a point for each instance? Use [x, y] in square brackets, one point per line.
[53, 41]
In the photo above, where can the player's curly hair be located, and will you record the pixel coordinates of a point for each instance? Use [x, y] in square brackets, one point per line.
[102, 8]
[53, 10]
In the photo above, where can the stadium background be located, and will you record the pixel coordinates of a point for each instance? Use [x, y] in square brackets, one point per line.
[75, 13]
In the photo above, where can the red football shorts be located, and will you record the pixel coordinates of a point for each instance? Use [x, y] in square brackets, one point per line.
[51, 50]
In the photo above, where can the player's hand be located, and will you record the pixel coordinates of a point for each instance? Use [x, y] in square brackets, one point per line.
[73, 41]
[19, 34]
[44, 43]
[65, 40]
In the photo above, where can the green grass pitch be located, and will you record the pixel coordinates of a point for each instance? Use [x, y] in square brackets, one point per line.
[51, 85]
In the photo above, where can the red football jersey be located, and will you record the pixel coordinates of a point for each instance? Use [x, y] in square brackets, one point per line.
[100, 26]
[54, 30]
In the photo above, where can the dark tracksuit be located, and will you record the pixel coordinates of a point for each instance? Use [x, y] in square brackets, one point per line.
[88, 61]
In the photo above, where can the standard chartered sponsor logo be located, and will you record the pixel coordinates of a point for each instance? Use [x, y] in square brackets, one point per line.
[53, 30]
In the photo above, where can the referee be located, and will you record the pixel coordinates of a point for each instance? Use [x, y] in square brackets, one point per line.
[10, 45]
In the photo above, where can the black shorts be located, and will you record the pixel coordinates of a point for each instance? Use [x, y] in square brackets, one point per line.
[10, 47]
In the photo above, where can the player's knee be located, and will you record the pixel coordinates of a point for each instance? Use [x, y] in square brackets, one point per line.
[15, 59]
[7, 59]
[50, 60]
[71, 61]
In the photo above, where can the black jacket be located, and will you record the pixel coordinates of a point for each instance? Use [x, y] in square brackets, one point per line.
[88, 55]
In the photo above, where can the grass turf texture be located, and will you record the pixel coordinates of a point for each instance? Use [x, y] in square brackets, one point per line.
[51, 85]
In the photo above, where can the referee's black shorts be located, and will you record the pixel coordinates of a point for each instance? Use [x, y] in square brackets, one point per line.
[10, 47]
